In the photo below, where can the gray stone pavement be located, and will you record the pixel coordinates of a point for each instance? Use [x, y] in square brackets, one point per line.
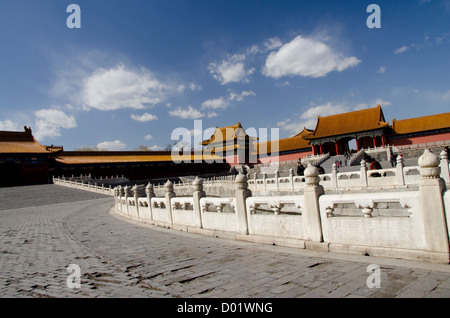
[44, 229]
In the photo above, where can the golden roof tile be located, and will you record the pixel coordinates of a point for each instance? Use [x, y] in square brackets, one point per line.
[348, 123]
[419, 124]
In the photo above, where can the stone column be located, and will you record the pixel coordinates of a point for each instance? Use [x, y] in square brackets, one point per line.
[198, 194]
[445, 173]
[139, 192]
[334, 179]
[241, 193]
[168, 186]
[116, 195]
[400, 172]
[277, 181]
[127, 192]
[311, 212]
[121, 195]
[150, 194]
[291, 178]
[363, 174]
[136, 197]
[431, 188]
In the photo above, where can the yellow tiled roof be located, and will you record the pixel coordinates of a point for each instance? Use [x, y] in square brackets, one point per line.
[224, 134]
[347, 123]
[20, 142]
[82, 157]
[426, 123]
[286, 144]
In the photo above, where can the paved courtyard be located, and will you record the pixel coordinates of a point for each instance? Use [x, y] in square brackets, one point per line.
[44, 229]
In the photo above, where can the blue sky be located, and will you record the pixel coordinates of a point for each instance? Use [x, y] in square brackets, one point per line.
[137, 70]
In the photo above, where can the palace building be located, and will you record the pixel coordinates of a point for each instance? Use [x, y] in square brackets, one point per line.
[285, 149]
[335, 135]
[420, 130]
[23, 160]
[232, 143]
[332, 134]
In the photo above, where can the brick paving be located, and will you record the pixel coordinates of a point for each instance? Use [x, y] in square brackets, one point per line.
[44, 229]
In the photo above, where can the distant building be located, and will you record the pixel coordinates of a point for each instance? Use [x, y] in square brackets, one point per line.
[420, 130]
[291, 148]
[332, 134]
[23, 160]
[233, 144]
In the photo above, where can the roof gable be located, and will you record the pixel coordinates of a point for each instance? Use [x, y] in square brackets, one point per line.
[226, 133]
[348, 123]
[21, 142]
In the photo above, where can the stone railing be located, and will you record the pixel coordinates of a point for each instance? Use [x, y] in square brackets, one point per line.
[398, 177]
[399, 222]
[315, 160]
[84, 185]
[408, 223]
[356, 157]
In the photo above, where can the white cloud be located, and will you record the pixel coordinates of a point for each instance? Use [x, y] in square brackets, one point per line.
[224, 103]
[283, 122]
[216, 103]
[155, 148]
[50, 121]
[426, 42]
[192, 86]
[189, 113]
[308, 119]
[195, 87]
[240, 97]
[401, 49]
[382, 70]
[272, 43]
[254, 49]
[115, 145]
[446, 96]
[118, 87]
[144, 117]
[374, 103]
[306, 57]
[285, 83]
[327, 109]
[231, 70]
[8, 125]
[148, 137]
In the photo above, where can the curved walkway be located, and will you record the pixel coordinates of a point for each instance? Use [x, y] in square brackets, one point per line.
[44, 229]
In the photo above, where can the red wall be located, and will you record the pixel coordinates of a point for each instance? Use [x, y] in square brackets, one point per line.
[419, 139]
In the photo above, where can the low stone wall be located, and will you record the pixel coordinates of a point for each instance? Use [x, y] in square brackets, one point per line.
[414, 151]
[397, 177]
[408, 222]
